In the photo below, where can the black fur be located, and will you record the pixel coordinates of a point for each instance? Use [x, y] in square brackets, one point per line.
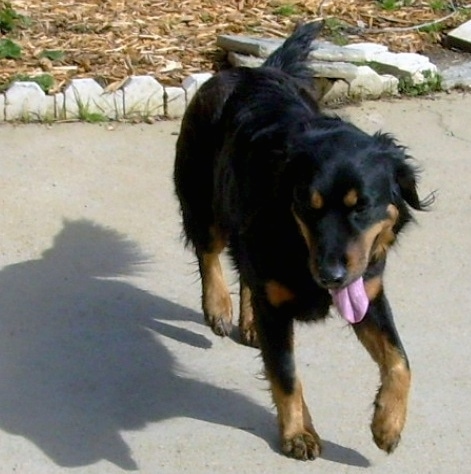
[253, 149]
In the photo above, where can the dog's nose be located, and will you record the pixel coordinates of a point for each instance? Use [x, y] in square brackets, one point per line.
[332, 275]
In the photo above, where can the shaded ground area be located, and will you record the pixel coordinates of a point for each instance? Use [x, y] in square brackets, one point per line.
[110, 40]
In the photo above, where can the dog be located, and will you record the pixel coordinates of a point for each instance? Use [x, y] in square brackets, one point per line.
[308, 206]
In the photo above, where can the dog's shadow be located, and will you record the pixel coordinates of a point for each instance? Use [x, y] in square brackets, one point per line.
[80, 361]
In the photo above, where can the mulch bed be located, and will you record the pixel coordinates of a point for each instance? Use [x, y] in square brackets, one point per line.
[113, 39]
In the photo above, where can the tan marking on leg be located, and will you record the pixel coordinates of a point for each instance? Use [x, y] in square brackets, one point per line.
[373, 287]
[217, 305]
[298, 436]
[277, 294]
[317, 201]
[247, 329]
[218, 240]
[391, 401]
[351, 198]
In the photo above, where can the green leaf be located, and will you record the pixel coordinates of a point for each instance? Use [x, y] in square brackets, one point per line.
[9, 49]
[10, 19]
[52, 54]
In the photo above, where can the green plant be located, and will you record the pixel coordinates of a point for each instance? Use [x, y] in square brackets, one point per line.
[438, 5]
[84, 112]
[144, 111]
[44, 81]
[93, 117]
[433, 28]
[335, 29]
[52, 54]
[86, 115]
[10, 19]
[29, 117]
[9, 49]
[286, 10]
[390, 4]
[464, 13]
[432, 83]
[48, 119]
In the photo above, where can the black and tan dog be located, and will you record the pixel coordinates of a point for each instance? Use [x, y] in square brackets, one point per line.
[308, 206]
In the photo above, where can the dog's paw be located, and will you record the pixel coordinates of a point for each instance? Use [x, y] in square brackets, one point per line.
[386, 435]
[221, 324]
[248, 336]
[386, 441]
[217, 309]
[303, 446]
[387, 426]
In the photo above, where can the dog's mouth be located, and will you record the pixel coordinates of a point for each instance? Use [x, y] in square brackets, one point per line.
[351, 301]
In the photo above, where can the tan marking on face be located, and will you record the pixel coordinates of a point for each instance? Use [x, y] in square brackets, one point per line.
[351, 198]
[317, 201]
[304, 230]
[386, 237]
[373, 243]
[358, 251]
[277, 294]
[311, 245]
[391, 401]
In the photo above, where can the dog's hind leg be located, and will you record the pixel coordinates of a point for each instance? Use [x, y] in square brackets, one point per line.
[247, 330]
[193, 177]
[216, 300]
[378, 334]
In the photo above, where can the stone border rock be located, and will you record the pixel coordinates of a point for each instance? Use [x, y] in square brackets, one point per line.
[140, 97]
[357, 71]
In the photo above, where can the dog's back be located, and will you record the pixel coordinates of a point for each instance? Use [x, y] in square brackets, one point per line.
[288, 60]
[202, 130]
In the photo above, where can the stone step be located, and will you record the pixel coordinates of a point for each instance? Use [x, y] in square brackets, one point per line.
[370, 70]
[460, 37]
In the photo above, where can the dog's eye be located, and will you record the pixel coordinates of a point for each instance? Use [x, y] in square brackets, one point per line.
[360, 209]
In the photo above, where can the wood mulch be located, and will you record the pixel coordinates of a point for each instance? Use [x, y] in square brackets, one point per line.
[113, 39]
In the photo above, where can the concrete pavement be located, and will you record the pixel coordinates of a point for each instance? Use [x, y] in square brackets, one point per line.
[106, 366]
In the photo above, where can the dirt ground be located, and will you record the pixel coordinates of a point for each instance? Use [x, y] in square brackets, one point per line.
[113, 39]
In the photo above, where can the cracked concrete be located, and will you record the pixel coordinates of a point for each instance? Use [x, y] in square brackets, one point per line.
[106, 365]
[443, 120]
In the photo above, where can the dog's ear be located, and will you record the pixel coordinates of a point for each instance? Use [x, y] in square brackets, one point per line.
[405, 173]
[406, 181]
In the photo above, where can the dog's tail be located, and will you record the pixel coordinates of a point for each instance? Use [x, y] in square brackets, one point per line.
[291, 56]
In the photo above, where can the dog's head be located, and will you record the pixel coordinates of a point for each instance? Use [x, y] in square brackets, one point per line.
[351, 198]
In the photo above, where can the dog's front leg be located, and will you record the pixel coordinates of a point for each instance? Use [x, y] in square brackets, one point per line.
[275, 333]
[378, 334]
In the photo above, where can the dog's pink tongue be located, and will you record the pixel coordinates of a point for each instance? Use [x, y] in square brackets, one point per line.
[351, 301]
